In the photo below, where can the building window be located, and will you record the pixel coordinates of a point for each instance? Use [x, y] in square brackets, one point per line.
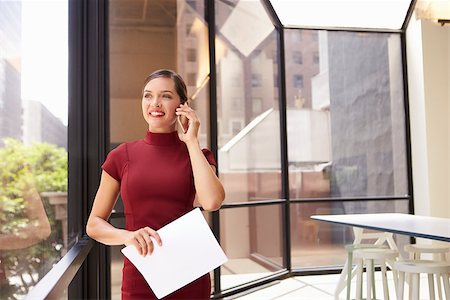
[236, 126]
[316, 58]
[297, 57]
[298, 81]
[256, 80]
[191, 54]
[191, 79]
[188, 28]
[257, 105]
[236, 103]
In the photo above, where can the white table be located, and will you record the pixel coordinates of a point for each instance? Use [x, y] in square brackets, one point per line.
[412, 225]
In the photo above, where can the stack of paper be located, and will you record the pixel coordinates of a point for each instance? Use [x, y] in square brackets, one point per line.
[189, 250]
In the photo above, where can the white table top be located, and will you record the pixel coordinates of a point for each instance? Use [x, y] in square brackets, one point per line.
[411, 225]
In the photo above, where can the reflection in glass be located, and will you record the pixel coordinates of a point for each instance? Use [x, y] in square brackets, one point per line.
[193, 59]
[33, 142]
[346, 122]
[247, 102]
[316, 244]
[248, 139]
[252, 239]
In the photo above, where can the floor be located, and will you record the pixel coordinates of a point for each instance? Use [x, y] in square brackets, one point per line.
[320, 287]
[316, 287]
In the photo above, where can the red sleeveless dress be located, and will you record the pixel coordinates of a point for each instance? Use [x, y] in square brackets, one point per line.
[157, 187]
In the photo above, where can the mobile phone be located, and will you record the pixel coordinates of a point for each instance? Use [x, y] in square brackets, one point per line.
[184, 123]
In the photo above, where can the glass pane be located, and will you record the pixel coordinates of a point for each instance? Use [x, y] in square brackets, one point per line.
[135, 28]
[247, 102]
[33, 142]
[346, 122]
[193, 59]
[342, 13]
[252, 239]
[316, 244]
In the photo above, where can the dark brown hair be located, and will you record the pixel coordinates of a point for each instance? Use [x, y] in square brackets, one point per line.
[180, 86]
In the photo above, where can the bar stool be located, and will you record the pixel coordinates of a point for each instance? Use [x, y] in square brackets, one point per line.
[416, 250]
[368, 257]
[414, 268]
[438, 251]
[348, 271]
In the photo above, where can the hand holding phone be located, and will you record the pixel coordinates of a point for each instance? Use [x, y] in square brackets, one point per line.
[183, 121]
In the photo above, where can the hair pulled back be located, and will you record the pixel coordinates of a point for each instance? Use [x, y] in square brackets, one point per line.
[180, 85]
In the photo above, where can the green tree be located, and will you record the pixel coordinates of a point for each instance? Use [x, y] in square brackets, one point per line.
[26, 171]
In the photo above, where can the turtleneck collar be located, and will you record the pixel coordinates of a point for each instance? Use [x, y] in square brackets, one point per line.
[162, 139]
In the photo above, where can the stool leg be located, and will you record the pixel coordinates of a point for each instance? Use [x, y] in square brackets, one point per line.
[359, 279]
[369, 277]
[384, 280]
[341, 283]
[415, 282]
[372, 270]
[438, 283]
[394, 275]
[431, 285]
[409, 282]
[446, 285]
[400, 285]
[349, 273]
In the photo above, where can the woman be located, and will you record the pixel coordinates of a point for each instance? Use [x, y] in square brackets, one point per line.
[159, 177]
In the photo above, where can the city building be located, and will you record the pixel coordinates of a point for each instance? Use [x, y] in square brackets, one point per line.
[40, 125]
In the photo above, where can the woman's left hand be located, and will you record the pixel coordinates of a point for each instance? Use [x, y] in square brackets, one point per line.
[191, 122]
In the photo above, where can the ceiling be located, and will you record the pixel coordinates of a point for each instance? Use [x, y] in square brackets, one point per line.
[145, 13]
[367, 14]
[364, 14]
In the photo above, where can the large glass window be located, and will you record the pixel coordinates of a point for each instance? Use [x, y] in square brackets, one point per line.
[249, 140]
[346, 130]
[33, 142]
[252, 238]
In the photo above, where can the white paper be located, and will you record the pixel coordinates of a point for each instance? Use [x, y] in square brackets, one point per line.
[189, 250]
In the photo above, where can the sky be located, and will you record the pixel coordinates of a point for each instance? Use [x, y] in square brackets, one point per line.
[45, 54]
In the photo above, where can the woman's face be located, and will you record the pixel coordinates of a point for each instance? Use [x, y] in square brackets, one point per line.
[159, 102]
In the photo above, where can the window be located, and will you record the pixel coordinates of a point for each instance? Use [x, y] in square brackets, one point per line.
[236, 126]
[343, 153]
[297, 57]
[191, 79]
[33, 142]
[256, 80]
[316, 58]
[191, 55]
[298, 81]
[236, 103]
[257, 105]
[248, 141]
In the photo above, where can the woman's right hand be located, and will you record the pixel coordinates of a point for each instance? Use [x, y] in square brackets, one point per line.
[141, 240]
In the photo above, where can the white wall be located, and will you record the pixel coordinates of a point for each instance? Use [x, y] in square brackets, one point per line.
[428, 58]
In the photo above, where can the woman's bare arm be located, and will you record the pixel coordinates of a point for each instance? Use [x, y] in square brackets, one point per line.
[100, 230]
[37, 229]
